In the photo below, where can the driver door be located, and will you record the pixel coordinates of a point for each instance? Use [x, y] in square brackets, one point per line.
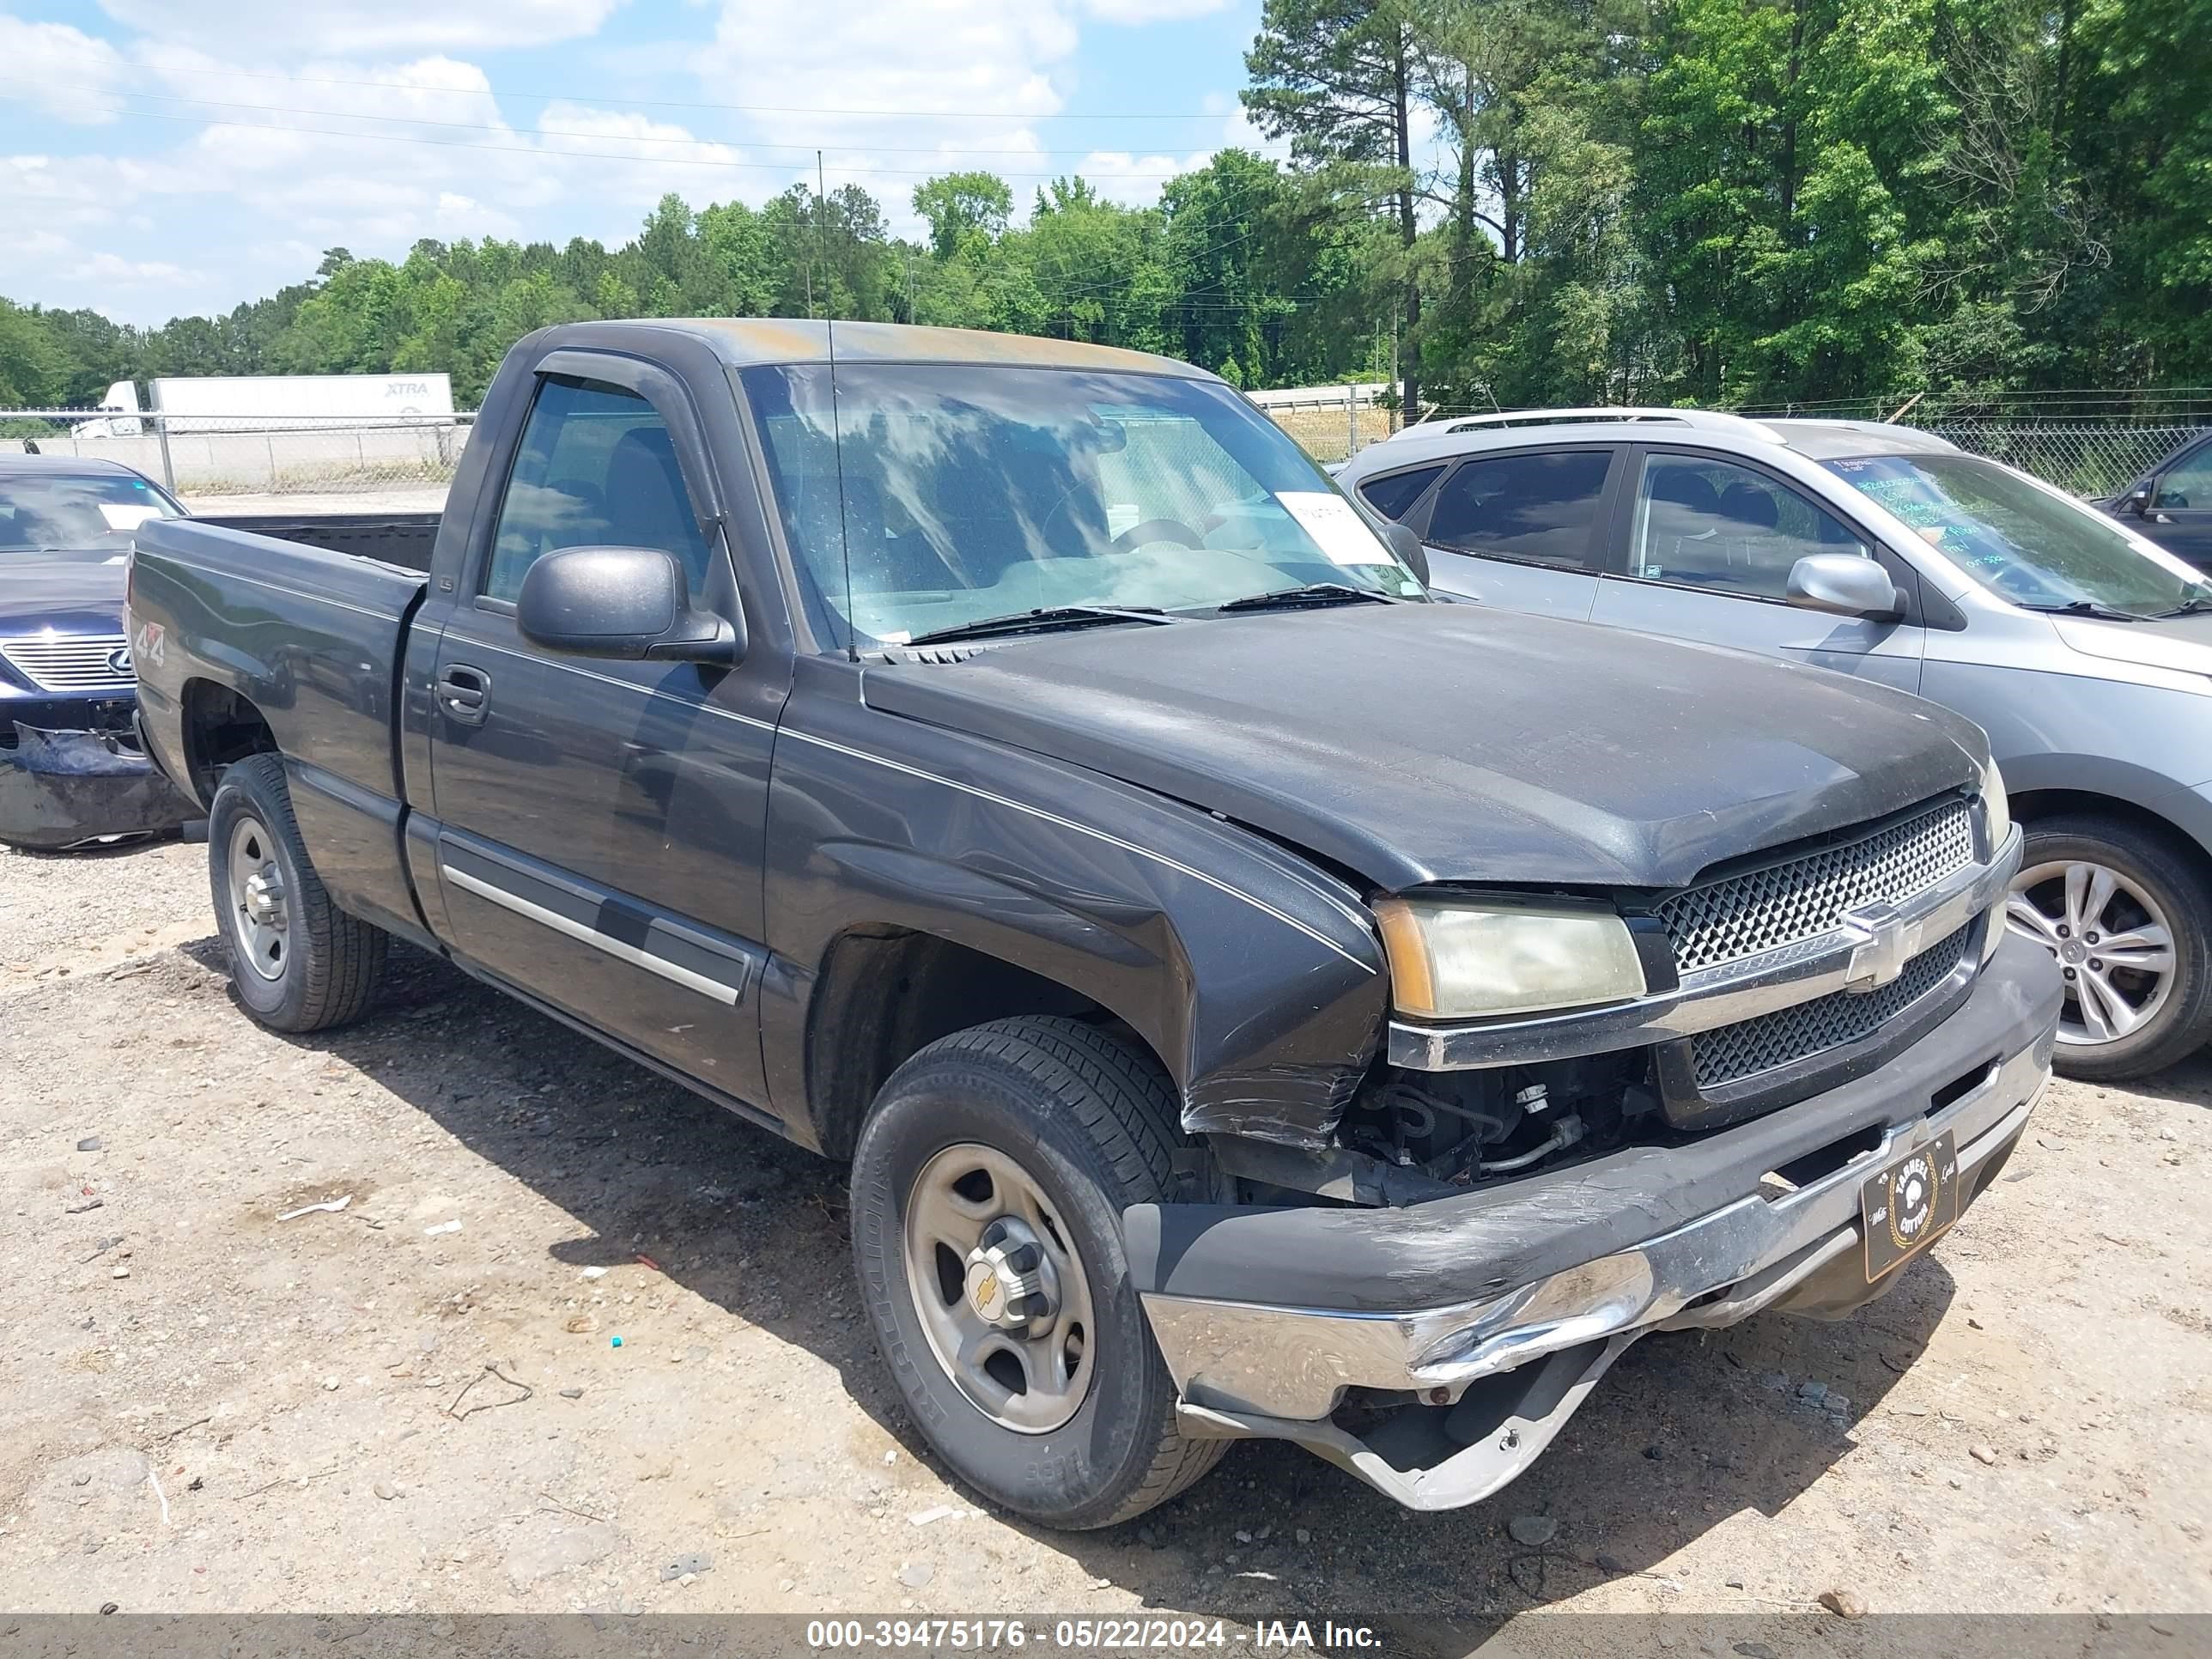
[601, 822]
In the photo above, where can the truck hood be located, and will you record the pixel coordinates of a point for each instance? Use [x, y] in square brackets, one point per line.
[69, 592]
[1431, 742]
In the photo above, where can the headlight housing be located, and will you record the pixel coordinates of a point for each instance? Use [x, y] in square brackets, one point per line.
[1996, 811]
[1455, 961]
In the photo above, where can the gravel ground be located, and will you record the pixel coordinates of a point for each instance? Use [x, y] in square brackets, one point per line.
[416, 1402]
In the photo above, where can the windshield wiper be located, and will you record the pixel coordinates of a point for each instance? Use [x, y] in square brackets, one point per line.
[2087, 608]
[2187, 608]
[1285, 598]
[1050, 617]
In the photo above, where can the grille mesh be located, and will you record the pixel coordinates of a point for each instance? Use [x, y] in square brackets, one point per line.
[67, 662]
[1802, 898]
[1729, 1053]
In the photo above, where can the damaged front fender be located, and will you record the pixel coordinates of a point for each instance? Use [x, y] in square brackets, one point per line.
[60, 789]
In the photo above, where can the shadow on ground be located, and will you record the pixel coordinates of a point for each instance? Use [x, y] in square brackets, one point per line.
[1684, 1432]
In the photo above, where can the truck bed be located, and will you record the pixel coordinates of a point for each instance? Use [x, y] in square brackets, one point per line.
[397, 538]
[313, 640]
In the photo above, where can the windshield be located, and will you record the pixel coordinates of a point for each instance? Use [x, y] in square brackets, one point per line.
[75, 513]
[974, 493]
[2022, 541]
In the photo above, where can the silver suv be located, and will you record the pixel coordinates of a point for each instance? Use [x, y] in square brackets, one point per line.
[2083, 649]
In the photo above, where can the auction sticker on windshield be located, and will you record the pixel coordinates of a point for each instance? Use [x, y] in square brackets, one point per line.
[1338, 531]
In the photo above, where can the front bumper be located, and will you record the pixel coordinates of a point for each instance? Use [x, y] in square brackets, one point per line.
[1499, 1311]
[59, 788]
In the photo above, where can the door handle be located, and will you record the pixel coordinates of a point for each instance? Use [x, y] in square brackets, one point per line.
[463, 693]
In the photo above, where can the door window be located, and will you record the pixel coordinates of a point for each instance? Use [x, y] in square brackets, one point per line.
[2188, 481]
[1712, 523]
[1540, 508]
[1395, 495]
[596, 468]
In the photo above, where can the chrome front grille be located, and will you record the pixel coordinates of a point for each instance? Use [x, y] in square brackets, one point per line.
[72, 662]
[1801, 898]
[1731, 1054]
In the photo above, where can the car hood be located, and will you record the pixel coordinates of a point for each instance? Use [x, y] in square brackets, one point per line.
[69, 592]
[2183, 643]
[1430, 743]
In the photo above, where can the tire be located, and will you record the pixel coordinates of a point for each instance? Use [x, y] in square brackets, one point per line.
[1087, 1119]
[318, 969]
[2167, 885]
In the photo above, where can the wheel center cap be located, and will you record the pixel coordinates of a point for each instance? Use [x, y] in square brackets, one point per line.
[265, 898]
[2073, 953]
[1009, 1281]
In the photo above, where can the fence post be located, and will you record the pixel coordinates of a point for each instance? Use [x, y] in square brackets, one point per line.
[168, 466]
[1351, 420]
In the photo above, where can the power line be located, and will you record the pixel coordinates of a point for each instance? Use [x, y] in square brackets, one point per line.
[669, 103]
[496, 126]
[546, 153]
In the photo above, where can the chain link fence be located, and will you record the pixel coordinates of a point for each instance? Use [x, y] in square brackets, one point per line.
[405, 462]
[2090, 454]
[399, 461]
[1333, 423]
[2089, 457]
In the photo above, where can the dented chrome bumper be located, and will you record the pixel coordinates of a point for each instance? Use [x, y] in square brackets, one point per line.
[1565, 1273]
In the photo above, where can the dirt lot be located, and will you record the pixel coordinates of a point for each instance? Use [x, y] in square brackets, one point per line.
[418, 1402]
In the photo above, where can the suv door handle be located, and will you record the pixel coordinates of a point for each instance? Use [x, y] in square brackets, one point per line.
[463, 693]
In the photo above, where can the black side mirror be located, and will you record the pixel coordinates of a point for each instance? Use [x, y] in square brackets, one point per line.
[2139, 500]
[1410, 549]
[630, 602]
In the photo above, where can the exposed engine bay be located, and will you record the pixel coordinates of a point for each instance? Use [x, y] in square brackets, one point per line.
[1409, 1136]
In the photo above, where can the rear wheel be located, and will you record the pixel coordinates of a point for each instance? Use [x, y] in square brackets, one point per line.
[298, 963]
[2127, 919]
[988, 1190]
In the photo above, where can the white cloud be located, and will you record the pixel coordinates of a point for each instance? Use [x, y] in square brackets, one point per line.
[969, 63]
[59, 70]
[1151, 11]
[361, 27]
[105, 267]
[1123, 176]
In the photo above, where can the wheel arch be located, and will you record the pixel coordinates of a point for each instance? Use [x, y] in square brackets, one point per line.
[221, 726]
[884, 992]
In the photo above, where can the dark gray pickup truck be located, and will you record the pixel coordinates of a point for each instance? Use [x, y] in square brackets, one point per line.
[1256, 1001]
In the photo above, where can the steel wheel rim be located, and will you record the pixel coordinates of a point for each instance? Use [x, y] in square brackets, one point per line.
[971, 1215]
[260, 915]
[2113, 941]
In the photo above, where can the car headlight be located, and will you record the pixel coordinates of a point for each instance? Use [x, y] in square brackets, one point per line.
[1464, 961]
[1996, 809]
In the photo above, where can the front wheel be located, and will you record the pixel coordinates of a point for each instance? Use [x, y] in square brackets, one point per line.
[987, 1191]
[298, 963]
[2128, 923]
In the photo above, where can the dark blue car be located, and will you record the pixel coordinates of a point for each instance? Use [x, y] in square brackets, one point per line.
[71, 771]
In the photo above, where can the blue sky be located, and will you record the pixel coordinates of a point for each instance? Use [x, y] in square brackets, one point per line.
[166, 156]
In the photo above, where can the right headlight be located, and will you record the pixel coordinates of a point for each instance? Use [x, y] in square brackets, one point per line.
[1996, 811]
[1450, 961]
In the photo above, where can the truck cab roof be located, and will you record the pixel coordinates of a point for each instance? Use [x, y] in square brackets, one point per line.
[750, 342]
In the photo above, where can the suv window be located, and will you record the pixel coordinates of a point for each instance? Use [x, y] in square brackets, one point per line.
[1394, 496]
[596, 468]
[1539, 507]
[2188, 481]
[1712, 523]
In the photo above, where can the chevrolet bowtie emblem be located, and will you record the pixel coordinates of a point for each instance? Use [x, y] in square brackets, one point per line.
[1885, 942]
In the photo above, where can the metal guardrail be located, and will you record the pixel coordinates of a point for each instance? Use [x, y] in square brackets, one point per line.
[203, 457]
